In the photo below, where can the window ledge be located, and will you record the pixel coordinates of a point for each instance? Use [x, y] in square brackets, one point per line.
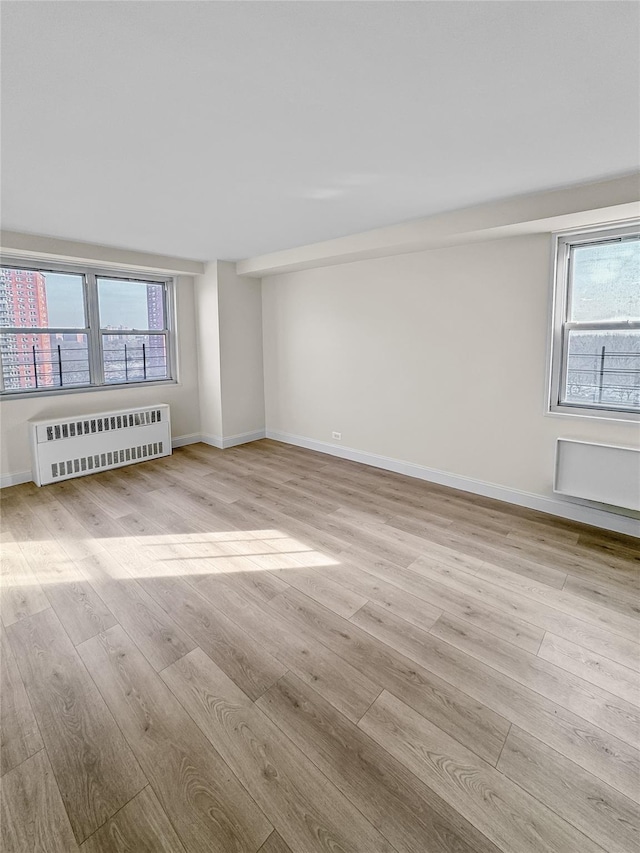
[55, 392]
[597, 414]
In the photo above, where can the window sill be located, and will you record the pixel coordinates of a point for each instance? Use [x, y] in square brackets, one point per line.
[594, 414]
[90, 389]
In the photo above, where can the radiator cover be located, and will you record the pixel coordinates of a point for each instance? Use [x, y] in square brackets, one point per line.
[598, 472]
[63, 448]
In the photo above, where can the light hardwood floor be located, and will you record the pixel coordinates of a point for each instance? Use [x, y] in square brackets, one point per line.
[268, 649]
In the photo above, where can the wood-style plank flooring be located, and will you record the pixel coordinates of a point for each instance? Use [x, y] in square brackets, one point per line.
[269, 649]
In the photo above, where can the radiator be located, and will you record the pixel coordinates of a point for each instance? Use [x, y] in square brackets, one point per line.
[72, 447]
[598, 472]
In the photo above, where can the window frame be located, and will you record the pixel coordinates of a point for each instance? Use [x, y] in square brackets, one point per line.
[560, 325]
[93, 330]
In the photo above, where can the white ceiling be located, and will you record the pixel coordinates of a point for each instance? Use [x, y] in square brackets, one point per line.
[229, 129]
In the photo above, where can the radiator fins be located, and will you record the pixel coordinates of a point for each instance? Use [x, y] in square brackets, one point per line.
[97, 424]
[109, 459]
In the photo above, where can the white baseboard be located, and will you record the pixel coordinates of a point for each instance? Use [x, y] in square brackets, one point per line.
[7, 480]
[182, 440]
[609, 520]
[243, 438]
[231, 440]
[213, 440]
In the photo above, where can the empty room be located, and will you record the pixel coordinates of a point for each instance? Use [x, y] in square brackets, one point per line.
[320, 426]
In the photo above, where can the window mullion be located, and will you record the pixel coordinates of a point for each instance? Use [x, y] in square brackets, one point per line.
[95, 343]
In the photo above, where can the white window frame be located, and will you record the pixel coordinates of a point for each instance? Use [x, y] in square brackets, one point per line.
[562, 245]
[93, 331]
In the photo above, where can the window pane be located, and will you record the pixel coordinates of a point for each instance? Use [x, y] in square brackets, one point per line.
[134, 358]
[130, 304]
[605, 282]
[44, 361]
[603, 369]
[29, 298]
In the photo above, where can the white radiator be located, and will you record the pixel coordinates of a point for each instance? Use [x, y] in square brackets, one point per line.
[72, 447]
[598, 472]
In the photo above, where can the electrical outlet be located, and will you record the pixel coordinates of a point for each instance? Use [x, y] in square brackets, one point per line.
[337, 436]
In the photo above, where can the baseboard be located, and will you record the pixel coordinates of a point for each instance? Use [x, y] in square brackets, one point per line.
[232, 440]
[15, 479]
[243, 438]
[182, 440]
[553, 506]
[213, 440]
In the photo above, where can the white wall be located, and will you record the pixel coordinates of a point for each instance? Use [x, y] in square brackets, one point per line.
[229, 334]
[437, 358]
[15, 459]
[208, 347]
[240, 307]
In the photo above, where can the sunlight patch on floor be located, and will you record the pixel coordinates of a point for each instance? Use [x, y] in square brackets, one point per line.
[170, 555]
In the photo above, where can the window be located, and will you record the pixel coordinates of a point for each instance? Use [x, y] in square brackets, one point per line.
[84, 328]
[596, 327]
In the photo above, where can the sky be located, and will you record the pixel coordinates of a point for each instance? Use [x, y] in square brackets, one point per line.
[122, 303]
